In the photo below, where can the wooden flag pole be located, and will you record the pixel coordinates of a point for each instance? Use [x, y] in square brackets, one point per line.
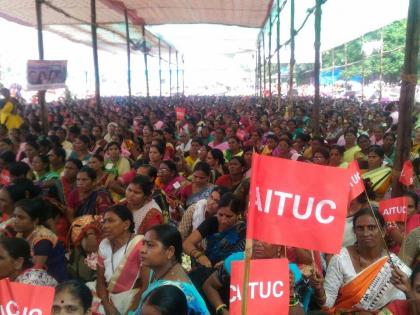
[247, 269]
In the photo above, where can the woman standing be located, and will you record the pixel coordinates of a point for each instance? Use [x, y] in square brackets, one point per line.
[16, 264]
[146, 212]
[161, 252]
[29, 217]
[121, 276]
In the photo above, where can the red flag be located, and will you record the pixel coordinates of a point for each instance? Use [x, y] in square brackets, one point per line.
[18, 298]
[292, 204]
[180, 113]
[394, 210]
[268, 289]
[407, 174]
[356, 181]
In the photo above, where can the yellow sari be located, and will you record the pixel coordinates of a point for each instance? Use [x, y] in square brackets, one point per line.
[380, 178]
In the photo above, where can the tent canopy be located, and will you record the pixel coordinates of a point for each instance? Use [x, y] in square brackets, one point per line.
[71, 19]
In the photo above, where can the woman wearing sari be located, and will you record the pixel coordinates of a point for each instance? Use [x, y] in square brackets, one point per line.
[103, 179]
[121, 276]
[379, 175]
[200, 187]
[336, 156]
[16, 264]
[85, 199]
[216, 160]
[351, 146]
[81, 149]
[411, 288]
[233, 179]
[146, 212]
[162, 252]
[116, 164]
[359, 278]
[47, 252]
[43, 175]
[364, 143]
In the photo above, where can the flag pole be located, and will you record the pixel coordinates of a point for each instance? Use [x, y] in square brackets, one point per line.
[247, 269]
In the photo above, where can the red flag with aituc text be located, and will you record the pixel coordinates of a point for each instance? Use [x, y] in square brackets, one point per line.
[394, 210]
[297, 204]
[407, 174]
[268, 287]
[18, 298]
[356, 182]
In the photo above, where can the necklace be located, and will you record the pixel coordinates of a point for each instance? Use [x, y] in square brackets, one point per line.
[125, 251]
[165, 273]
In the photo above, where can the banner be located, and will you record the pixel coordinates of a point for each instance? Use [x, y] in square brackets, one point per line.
[17, 298]
[268, 289]
[407, 174]
[46, 74]
[297, 204]
[394, 210]
[356, 182]
[180, 113]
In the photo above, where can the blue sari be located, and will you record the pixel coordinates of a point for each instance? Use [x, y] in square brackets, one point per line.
[220, 245]
[196, 304]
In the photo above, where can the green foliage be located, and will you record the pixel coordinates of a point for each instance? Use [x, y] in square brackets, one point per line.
[369, 66]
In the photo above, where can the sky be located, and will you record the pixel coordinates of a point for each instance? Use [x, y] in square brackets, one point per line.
[218, 59]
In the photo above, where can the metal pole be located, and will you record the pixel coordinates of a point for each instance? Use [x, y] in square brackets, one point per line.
[333, 72]
[259, 66]
[127, 32]
[381, 65]
[278, 57]
[95, 54]
[265, 63]
[183, 74]
[269, 60]
[292, 57]
[409, 78]
[146, 69]
[177, 73]
[363, 69]
[317, 65]
[41, 94]
[170, 72]
[160, 71]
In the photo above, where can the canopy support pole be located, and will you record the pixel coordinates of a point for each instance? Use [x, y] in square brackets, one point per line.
[127, 32]
[41, 94]
[265, 64]
[95, 54]
[146, 69]
[317, 66]
[292, 58]
[381, 64]
[407, 92]
[278, 57]
[269, 60]
[183, 74]
[160, 71]
[170, 72]
[177, 72]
